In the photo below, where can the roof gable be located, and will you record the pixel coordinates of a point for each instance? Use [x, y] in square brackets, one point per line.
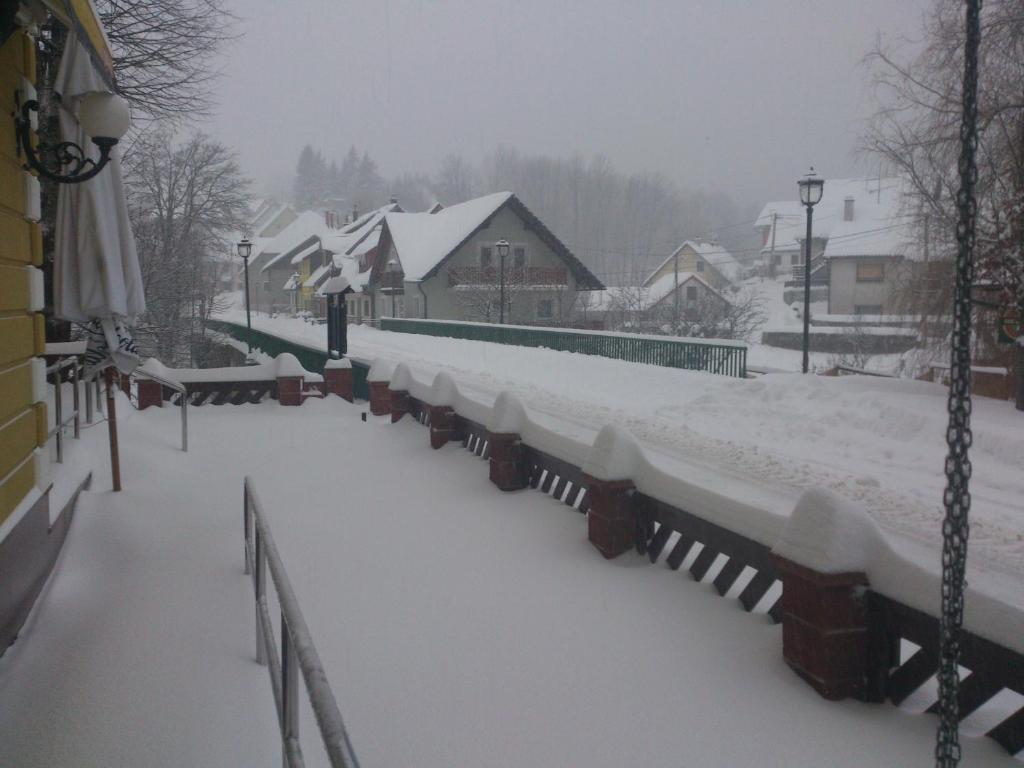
[425, 241]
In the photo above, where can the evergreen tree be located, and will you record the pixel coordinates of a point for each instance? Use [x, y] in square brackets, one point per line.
[310, 185]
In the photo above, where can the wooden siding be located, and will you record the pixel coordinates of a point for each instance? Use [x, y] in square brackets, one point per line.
[23, 424]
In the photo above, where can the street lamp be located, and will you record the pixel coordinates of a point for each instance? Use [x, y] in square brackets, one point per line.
[811, 189]
[392, 270]
[245, 251]
[502, 247]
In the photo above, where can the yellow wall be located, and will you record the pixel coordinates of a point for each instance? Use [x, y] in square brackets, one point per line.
[22, 422]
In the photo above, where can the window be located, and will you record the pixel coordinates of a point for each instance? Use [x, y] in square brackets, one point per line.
[518, 256]
[417, 310]
[795, 259]
[867, 309]
[266, 286]
[545, 309]
[777, 259]
[700, 265]
[870, 273]
[366, 307]
[691, 293]
[486, 255]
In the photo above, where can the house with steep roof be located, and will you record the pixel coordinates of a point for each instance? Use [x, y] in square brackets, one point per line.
[653, 307]
[445, 265]
[862, 245]
[706, 258]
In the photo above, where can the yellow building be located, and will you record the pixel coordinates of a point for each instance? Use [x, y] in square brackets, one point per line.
[28, 541]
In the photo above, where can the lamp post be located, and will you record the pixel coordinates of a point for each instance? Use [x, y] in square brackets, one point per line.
[392, 270]
[502, 247]
[811, 188]
[244, 251]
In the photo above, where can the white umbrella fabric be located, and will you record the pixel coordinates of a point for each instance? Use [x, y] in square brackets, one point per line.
[97, 279]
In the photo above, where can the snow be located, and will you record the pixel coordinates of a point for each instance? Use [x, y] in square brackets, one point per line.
[424, 239]
[508, 415]
[338, 363]
[743, 449]
[483, 630]
[286, 364]
[615, 455]
[879, 226]
[401, 378]
[380, 370]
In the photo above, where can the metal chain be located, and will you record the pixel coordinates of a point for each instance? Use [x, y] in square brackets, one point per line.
[957, 498]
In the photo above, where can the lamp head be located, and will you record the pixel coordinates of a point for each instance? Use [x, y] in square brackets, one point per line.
[811, 189]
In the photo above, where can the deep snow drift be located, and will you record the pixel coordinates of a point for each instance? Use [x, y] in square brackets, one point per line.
[459, 626]
[877, 442]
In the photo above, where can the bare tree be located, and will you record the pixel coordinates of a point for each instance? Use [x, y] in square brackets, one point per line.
[165, 53]
[184, 199]
[734, 316]
[916, 133]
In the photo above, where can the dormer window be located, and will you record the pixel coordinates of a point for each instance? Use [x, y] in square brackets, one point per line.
[700, 265]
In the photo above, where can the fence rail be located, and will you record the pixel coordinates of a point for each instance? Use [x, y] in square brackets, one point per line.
[60, 420]
[297, 653]
[745, 570]
[721, 358]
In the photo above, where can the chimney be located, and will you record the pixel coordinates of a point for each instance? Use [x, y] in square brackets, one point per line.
[355, 212]
[394, 200]
[848, 209]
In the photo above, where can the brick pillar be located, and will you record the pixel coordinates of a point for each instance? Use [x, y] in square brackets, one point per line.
[289, 390]
[380, 400]
[611, 521]
[398, 403]
[826, 633]
[442, 425]
[150, 393]
[126, 383]
[339, 382]
[507, 468]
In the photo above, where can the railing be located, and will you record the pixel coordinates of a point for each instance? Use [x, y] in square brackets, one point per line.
[514, 276]
[183, 396]
[743, 569]
[60, 422]
[726, 358]
[297, 651]
[311, 358]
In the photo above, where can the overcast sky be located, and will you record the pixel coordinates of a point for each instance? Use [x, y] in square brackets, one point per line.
[720, 95]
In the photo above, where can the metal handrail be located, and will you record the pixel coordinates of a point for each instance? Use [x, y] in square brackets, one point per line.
[58, 404]
[297, 649]
[183, 399]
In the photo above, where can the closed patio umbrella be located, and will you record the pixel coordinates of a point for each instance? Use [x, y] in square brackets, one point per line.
[97, 280]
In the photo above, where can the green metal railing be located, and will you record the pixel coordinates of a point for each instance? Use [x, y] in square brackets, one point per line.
[725, 358]
[311, 358]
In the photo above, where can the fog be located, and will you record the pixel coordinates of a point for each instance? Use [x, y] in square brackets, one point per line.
[722, 97]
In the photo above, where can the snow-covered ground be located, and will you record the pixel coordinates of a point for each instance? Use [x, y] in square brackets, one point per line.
[459, 626]
[877, 442]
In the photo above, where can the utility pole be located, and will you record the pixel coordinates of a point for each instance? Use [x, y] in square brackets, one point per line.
[771, 255]
[675, 293]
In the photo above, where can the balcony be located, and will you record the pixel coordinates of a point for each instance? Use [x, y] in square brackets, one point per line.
[513, 276]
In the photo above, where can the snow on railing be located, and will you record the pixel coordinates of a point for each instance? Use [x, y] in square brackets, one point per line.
[297, 652]
[854, 591]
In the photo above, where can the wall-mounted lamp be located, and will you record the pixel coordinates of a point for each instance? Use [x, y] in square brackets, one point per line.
[105, 117]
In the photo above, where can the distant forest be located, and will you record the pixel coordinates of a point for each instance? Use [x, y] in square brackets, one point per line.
[618, 224]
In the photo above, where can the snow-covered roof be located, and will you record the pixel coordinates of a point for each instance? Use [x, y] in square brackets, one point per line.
[306, 224]
[641, 298]
[423, 240]
[302, 253]
[712, 253]
[317, 275]
[292, 283]
[880, 224]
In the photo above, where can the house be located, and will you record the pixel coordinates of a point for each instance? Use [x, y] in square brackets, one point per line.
[706, 258]
[861, 249]
[654, 308]
[445, 265]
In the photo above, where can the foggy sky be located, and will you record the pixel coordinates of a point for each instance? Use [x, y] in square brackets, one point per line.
[719, 95]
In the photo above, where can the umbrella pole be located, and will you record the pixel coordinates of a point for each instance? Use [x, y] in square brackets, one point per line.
[115, 459]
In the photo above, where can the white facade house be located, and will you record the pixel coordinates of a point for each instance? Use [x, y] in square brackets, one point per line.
[862, 246]
[444, 264]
